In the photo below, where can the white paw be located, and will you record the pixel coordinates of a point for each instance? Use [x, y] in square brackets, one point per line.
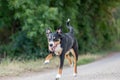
[58, 76]
[74, 74]
[46, 61]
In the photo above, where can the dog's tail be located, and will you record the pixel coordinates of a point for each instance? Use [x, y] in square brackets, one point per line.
[69, 26]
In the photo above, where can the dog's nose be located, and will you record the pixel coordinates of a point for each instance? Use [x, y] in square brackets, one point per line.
[51, 45]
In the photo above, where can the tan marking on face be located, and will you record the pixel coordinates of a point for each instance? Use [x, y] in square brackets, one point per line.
[57, 42]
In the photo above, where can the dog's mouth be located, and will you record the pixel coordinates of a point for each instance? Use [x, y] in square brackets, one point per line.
[54, 47]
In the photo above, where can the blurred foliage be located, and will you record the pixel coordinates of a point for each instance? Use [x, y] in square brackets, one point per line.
[23, 23]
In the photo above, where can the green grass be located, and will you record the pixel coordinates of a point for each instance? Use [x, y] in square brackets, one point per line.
[84, 59]
[15, 67]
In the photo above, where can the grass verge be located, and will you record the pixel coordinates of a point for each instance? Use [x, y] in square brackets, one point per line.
[15, 68]
[84, 59]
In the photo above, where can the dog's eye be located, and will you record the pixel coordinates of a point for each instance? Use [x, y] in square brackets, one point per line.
[56, 39]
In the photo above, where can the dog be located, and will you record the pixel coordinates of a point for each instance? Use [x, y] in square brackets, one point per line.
[62, 44]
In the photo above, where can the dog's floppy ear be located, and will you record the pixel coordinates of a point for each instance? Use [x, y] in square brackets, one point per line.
[48, 31]
[59, 30]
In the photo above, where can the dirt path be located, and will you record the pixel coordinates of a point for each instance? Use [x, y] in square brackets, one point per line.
[105, 69]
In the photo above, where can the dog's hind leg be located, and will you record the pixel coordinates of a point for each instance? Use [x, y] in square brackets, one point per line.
[75, 62]
[67, 56]
[47, 59]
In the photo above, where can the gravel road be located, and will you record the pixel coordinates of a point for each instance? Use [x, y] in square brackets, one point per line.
[104, 69]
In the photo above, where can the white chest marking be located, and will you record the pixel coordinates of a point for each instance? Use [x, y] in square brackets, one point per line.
[58, 50]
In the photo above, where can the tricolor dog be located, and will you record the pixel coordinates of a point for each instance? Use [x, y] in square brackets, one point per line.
[62, 44]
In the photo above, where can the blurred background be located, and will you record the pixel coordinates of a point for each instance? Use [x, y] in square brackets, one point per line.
[23, 24]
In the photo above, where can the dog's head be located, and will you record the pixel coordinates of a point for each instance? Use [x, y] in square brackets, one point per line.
[54, 38]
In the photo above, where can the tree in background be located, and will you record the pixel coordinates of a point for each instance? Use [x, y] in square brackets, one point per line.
[23, 23]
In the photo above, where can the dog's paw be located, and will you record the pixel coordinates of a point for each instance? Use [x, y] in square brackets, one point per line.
[58, 76]
[46, 61]
[74, 74]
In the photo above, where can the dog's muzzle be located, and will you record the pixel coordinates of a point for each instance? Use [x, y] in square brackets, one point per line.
[52, 48]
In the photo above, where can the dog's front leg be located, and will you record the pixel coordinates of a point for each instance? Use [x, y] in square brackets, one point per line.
[47, 59]
[61, 66]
